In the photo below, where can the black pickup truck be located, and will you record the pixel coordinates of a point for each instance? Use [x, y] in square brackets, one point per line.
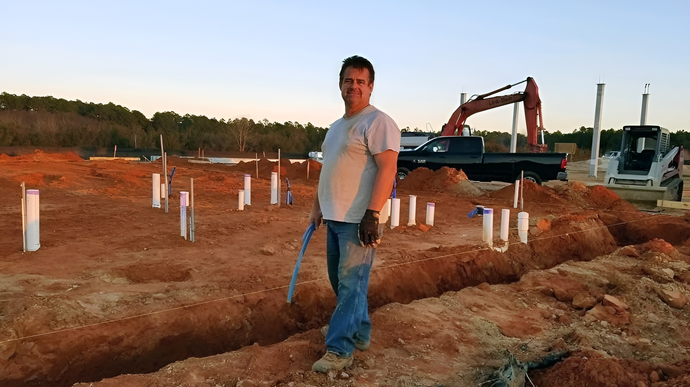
[467, 153]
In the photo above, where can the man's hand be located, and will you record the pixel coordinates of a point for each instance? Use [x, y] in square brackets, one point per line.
[369, 229]
[315, 217]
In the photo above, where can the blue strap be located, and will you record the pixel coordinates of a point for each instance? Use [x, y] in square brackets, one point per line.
[305, 242]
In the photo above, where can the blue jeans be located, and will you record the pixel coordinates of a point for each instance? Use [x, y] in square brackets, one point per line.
[349, 265]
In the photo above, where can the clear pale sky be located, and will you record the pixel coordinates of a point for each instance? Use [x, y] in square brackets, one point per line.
[279, 60]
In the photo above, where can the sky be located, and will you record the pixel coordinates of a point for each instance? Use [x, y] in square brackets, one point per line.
[279, 60]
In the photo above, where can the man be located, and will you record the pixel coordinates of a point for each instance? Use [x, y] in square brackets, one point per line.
[360, 154]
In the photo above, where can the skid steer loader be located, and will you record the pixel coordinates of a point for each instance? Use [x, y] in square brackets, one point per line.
[647, 168]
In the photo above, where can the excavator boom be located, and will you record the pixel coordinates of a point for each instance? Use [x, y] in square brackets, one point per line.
[530, 99]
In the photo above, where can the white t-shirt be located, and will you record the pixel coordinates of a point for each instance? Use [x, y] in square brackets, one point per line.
[349, 169]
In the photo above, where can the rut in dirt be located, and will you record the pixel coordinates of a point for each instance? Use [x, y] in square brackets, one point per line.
[146, 344]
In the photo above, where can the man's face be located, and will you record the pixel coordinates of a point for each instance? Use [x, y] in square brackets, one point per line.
[355, 87]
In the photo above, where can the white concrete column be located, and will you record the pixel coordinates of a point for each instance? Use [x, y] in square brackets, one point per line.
[513, 137]
[645, 100]
[596, 136]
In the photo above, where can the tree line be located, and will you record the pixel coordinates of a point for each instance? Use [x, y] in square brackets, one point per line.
[56, 122]
[610, 139]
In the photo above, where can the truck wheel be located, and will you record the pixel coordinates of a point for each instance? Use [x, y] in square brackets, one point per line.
[531, 176]
[402, 173]
[679, 194]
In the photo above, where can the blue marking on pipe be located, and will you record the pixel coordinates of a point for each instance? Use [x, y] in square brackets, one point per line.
[288, 196]
[305, 242]
[170, 181]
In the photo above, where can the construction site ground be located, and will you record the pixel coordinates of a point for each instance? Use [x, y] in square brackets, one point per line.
[116, 297]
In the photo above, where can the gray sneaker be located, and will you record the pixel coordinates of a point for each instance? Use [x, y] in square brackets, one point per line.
[331, 361]
[359, 344]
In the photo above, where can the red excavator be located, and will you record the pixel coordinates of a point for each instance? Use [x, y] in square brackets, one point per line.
[479, 103]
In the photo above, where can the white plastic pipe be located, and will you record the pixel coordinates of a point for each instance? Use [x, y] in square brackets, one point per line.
[33, 234]
[505, 224]
[240, 200]
[430, 209]
[517, 190]
[156, 190]
[523, 226]
[274, 187]
[488, 223]
[395, 213]
[413, 211]
[385, 212]
[248, 190]
[184, 202]
[164, 191]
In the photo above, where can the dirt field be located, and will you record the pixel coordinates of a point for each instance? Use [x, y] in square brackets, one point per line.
[115, 297]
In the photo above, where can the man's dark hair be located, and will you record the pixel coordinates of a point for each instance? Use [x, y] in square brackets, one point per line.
[359, 63]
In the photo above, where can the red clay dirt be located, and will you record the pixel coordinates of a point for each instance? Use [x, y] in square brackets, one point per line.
[594, 299]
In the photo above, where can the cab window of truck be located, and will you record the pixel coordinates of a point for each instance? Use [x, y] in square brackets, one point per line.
[467, 145]
[436, 146]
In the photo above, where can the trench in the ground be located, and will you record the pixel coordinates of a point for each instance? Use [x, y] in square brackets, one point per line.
[143, 345]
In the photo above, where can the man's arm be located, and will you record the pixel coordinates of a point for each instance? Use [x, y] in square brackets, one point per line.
[387, 162]
[369, 226]
[315, 216]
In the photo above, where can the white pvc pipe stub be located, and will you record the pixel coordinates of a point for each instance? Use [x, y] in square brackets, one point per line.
[395, 212]
[385, 212]
[248, 190]
[413, 211]
[430, 209]
[488, 226]
[274, 187]
[184, 202]
[523, 226]
[156, 190]
[240, 200]
[33, 232]
[505, 224]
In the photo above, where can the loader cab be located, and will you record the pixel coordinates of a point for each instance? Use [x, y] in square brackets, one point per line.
[641, 146]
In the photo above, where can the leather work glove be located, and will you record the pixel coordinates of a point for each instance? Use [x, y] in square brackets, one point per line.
[369, 229]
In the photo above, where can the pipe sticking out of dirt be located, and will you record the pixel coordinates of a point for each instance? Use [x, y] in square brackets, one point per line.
[412, 214]
[430, 209]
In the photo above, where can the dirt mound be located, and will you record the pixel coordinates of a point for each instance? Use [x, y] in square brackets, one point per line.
[444, 180]
[590, 368]
[297, 170]
[532, 192]
[597, 196]
[602, 197]
[39, 155]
